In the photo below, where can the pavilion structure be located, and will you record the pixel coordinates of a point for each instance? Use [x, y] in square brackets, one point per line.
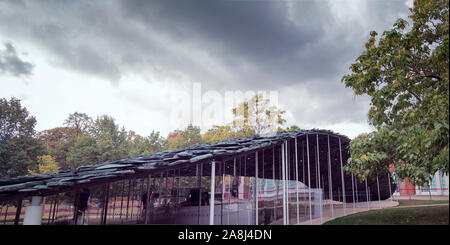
[288, 178]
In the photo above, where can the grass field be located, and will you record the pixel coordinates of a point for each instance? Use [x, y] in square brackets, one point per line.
[420, 202]
[435, 215]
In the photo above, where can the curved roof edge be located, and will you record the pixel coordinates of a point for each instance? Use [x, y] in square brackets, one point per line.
[145, 164]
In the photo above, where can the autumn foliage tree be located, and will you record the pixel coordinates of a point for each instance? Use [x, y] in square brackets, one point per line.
[257, 115]
[405, 73]
[19, 148]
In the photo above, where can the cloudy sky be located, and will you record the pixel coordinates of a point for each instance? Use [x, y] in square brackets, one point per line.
[126, 58]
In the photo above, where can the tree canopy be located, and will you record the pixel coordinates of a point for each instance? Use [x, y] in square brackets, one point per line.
[258, 115]
[19, 148]
[405, 73]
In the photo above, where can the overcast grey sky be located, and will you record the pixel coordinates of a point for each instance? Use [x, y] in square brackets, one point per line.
[124, 58]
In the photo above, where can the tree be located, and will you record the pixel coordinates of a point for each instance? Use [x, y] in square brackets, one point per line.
[84, 152]
[144, 145]
[18, 147]
[46, 165]
[80, 122]
[256, 114]
[290, 128]
[405, 73]
[184, 138]
[58, 142]
[111, 141]
[221, 133]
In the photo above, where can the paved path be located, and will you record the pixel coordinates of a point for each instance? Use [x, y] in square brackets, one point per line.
[340, 211]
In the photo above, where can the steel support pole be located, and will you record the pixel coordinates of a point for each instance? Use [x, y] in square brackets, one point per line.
[296, 179]
[378, 188]
[256, 187]
[148, 199]
[357, 193]
[318, 171]
[309, 179]
[342, 177]
[353, 194]
[389, 182]
[18, 212]
[199, 186]
[114, 205]
[213, 185]
[303, 171]
[330, 181]
[128, 198]
[105, 212]
[367, 196]
[287, 172]
[275, 185]
[283, 182]
[121, 200]
[236, 177]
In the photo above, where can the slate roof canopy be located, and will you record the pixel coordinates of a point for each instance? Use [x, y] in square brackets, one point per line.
[143, 165]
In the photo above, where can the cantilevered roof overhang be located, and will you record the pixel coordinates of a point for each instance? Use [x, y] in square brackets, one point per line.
[65, 180]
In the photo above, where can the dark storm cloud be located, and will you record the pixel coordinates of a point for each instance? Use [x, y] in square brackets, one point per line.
[258, 43]
[225, 45]
[11, 64]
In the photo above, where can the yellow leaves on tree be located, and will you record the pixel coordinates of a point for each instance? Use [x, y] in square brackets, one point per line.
[46, 165]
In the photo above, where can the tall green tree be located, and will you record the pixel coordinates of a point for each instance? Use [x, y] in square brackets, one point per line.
[405, 73]
[111, 140]
[257, 115]
[179, 139]
[58, 142]
[80, 122]
[84, 152]
[18, 147]
[145, 145]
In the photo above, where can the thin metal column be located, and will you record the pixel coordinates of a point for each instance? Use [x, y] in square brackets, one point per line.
[199, 186]
[303, 171]
[296, 178]
[105, 212]
[18, 211]
[231, 185]
[330, 181]
[49, 212]
[54, 208]
[121, 200]
[229, 199]
[128, 198]
[342, 177]
[318, 171]
[223, 167]
[389, 182]
[114, 204]
[213, 185]
[287, 172]
[367, 197]
[309, 179]
[284, 181]
[148, 199]
[256, 189]
[357, 193]
[378, 188]
[353, 194]
[274, 184]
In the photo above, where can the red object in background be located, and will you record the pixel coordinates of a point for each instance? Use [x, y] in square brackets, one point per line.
[406, 188]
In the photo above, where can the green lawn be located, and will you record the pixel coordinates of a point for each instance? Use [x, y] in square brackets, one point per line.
[420, 202]
[438, 215]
